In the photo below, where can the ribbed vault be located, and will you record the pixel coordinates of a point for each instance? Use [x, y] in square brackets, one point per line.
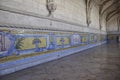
[108, 9]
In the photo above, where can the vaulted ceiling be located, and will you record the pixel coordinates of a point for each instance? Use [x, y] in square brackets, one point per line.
[108, 9]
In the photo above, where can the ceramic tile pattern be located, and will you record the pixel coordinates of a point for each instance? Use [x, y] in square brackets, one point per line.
[99, 63]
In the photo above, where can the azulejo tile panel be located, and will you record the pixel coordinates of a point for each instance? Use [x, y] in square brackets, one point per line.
[17, 43]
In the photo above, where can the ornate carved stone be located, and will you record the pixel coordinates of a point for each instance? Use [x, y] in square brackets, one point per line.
[89, 5]
[51, 6]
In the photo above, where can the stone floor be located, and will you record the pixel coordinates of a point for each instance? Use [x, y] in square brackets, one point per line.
[99, 63]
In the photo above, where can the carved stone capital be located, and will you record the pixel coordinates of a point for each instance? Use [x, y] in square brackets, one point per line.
[51, 6]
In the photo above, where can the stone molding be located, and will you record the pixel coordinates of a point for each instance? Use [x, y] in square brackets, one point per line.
[113, 32]
[4, 8]
[76, 25]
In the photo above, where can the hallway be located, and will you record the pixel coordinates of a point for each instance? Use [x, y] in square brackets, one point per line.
[99, 63]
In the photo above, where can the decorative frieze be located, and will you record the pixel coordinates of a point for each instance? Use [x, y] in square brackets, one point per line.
[15, 43]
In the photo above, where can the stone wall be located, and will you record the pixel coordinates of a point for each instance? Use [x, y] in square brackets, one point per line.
[95, 17]
[113, 30]
[70, 14]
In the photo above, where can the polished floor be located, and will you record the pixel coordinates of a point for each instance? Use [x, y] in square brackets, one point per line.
[99, 63]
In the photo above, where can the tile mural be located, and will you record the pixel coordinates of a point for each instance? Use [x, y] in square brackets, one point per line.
[14, 43]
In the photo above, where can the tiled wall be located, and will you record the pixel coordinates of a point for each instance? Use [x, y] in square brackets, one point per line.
[15, 43]
[28, 36]
[113, 37]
